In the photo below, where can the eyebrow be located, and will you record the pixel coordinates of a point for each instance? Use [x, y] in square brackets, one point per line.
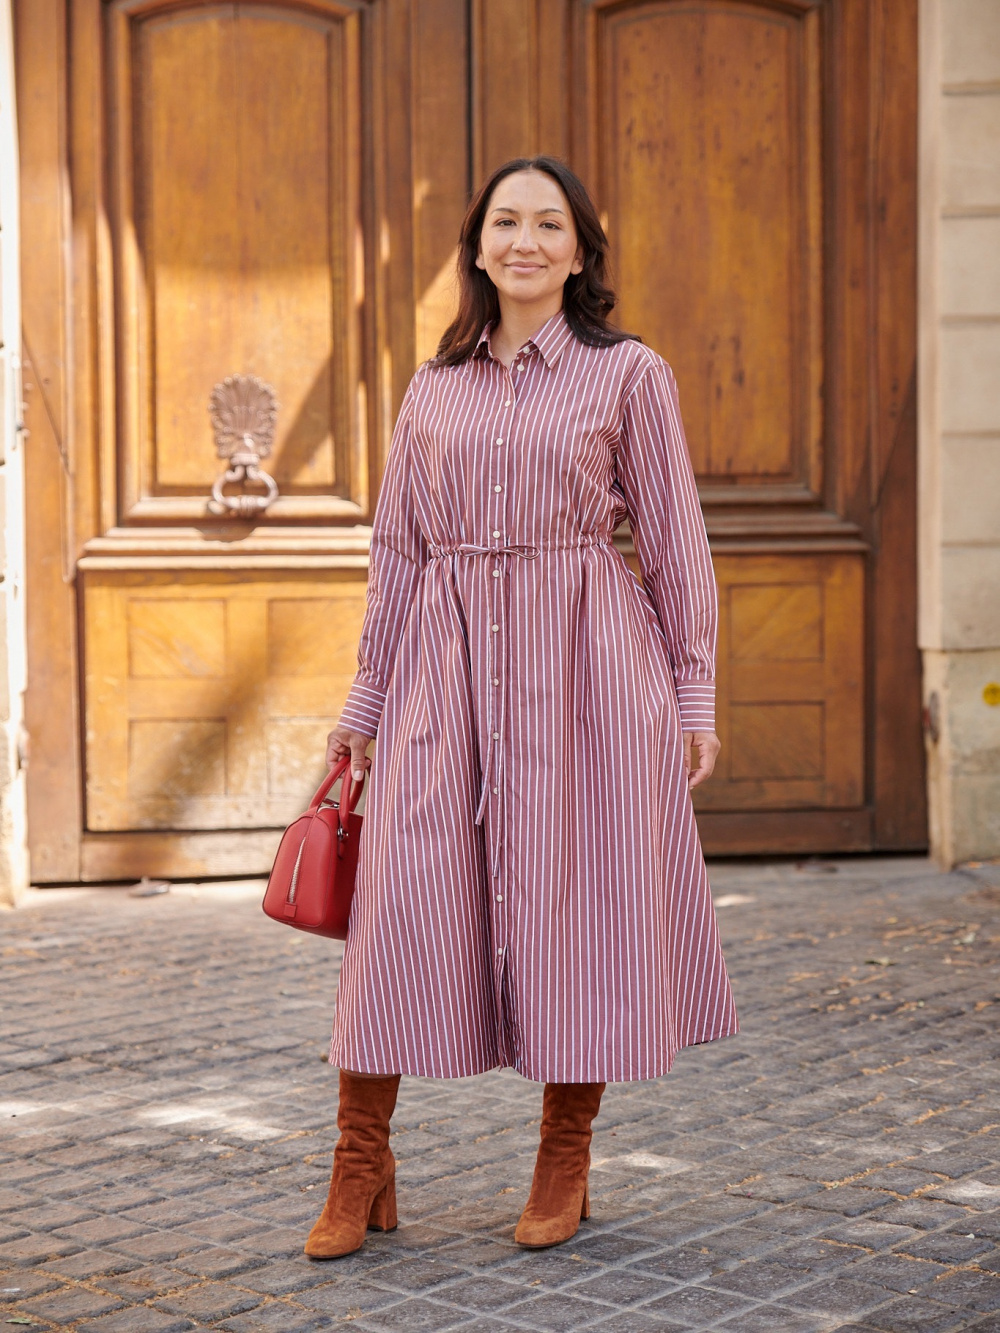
[502, 208]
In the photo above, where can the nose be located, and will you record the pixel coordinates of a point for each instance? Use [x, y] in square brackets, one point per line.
[524, 240]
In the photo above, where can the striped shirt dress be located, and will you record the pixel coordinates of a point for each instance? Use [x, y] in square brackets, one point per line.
[531, 891]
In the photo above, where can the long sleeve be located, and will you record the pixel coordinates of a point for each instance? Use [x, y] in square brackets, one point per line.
[397, 556]
[656, 478]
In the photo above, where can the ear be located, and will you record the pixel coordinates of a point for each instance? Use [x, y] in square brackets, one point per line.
[480, 261]
[577, 265]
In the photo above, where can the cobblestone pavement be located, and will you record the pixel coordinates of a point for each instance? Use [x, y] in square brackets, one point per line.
[169, 1122]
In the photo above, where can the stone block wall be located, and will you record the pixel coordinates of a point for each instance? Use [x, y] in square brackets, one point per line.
[959, 520]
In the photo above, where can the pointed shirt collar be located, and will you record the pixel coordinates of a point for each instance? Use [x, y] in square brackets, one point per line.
[550, 340]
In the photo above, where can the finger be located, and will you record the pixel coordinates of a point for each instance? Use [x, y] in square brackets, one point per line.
[706, 763]
[358, 761]
[688, 739]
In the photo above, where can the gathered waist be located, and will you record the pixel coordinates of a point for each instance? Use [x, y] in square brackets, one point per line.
[528, 550]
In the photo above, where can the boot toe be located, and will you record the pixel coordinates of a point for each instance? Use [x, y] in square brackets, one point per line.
[537, 1233]
[332, 1242]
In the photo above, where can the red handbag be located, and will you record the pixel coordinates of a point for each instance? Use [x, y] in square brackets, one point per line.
[312, 880]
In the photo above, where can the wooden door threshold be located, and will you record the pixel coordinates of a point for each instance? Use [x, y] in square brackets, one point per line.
[780, 832]
[107, 857]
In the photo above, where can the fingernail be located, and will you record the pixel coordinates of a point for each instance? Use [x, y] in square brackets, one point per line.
[357, 774]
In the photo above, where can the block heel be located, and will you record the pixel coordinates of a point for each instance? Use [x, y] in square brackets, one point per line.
[383, 1211]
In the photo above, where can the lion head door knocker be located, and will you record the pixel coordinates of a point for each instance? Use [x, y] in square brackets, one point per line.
[243, 410]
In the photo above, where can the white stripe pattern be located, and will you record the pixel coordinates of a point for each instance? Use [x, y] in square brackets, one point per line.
[531, 890]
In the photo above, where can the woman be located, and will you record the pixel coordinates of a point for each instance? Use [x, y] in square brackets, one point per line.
[531, 891]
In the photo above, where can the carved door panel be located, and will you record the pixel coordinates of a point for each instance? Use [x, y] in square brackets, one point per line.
[754, 163]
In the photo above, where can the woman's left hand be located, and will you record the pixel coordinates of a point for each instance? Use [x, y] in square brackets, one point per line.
[708, 746]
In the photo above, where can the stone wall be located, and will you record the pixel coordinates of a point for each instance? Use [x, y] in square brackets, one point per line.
[13, 848]
[959, 520]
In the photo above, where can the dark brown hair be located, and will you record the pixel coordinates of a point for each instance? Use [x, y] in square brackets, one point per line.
[588, 299]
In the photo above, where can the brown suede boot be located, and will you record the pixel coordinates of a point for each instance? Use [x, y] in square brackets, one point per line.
[363, 1184]
[559, 1198]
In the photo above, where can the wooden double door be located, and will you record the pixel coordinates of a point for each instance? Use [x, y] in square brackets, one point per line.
[274, 190]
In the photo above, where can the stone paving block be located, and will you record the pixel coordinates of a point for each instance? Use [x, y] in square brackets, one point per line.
[619, 1287]
[698, 1306]
[36, 1249]
[87, 1264]
[11, 1199]
[493, 1324]
[222, 1229]
[849, 1201]
[282, 1278]
[968, 1290]
[555, 1312]
[276, 1319]
[209, 1302]
[549, 1270]
[916, 1315]
[762, 1280]
[681, 1265]
[154, 1246]
[839, 1296]
[873, 1235]
[343, 1295]
[217, 1262]
[955, 1164]
[929, 1214]
[418, 1314]
[138, 1319]
[70, 1306]
[418, 1274]
[142, 1284]
[777, 1188]
[9, 1233]
[774, 1319]
[100, 1230]
[817, 1256]
[895, 1272]
[473, 1294]
[18, 1284]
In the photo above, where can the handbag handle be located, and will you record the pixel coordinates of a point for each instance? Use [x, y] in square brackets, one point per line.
[344, 807]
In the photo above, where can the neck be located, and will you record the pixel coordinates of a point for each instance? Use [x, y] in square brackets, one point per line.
[518, 321]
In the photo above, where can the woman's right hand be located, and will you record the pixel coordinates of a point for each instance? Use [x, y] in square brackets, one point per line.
[342, 741]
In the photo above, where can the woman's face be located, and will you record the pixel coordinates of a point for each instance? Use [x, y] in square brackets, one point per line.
[528, 245]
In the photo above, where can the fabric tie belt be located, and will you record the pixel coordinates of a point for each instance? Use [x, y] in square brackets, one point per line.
[495, 719]
[527, 549]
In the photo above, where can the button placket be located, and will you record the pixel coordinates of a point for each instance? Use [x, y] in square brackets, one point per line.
[499, 631]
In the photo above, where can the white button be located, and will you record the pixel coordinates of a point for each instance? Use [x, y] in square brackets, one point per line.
[496, 735]
[507, 403]
[499, 897]
[496, 629]
[495, 533]
[520, 368]
[499, 441]
[500, 950]
[498, 488]
[496, 791]
[496, 573]
[496, 680]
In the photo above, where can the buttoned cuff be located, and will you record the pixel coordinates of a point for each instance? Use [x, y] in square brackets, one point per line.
[362, 708]
[696, 701]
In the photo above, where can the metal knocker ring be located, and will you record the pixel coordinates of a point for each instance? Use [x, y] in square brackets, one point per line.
[243, 410]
